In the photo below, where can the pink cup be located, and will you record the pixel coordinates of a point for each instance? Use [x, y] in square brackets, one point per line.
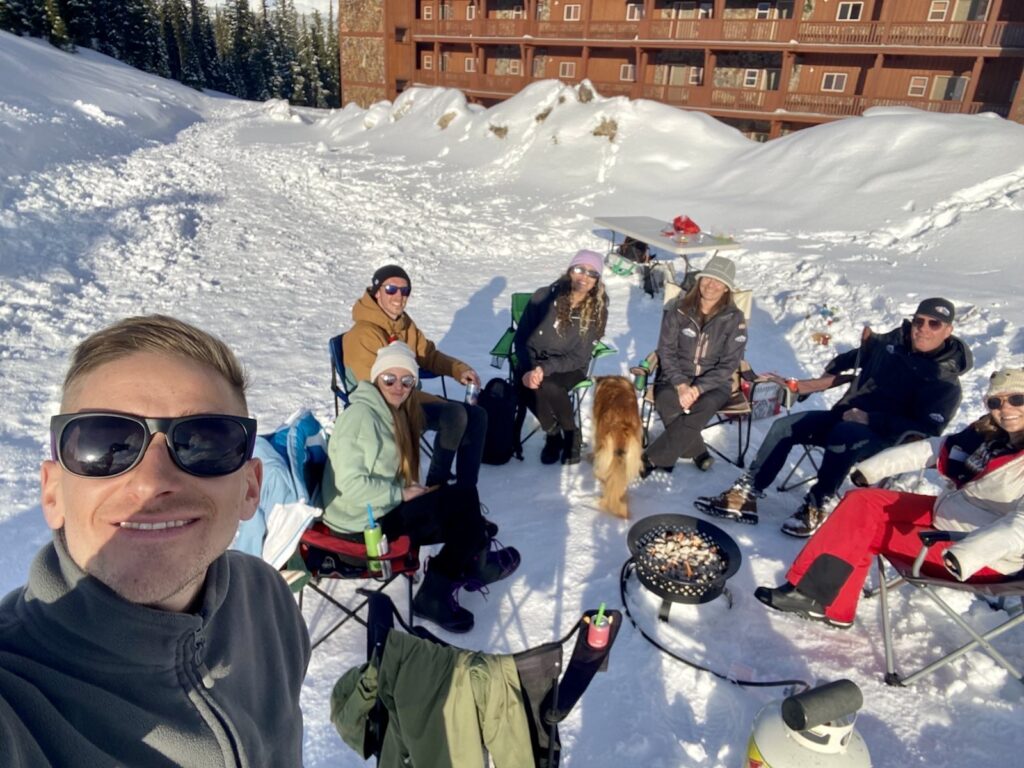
[598, 634]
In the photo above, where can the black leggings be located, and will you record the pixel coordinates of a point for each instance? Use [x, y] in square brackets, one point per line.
[550, 402]
[449, 515]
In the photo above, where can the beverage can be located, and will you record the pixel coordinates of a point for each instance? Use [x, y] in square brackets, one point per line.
[376, 546]
[472, 393]
[598, 632]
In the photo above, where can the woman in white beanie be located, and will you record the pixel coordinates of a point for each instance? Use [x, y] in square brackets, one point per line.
[984, 466]
[374, 461]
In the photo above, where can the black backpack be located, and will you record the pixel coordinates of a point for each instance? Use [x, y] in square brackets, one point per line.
[498, 398]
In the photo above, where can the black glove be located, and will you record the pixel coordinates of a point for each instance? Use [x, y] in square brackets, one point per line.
[952, 564]
[858, 479]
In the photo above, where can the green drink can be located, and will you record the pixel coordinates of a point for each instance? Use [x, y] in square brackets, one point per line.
[376, 546]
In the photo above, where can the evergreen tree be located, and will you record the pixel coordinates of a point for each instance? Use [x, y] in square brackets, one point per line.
[316, 63]
[80, 18]
[205, 45]
[56, 31]
[333, 60]
[182, 56]
[286, 40]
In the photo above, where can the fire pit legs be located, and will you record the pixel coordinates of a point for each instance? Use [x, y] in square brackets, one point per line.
[666, 606]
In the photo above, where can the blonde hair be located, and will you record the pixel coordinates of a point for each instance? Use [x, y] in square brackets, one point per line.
[160, 334]
[407, 422]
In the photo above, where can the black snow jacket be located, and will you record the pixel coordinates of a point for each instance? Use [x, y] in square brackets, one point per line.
[902, 390]
[703, 357]
[555, 350]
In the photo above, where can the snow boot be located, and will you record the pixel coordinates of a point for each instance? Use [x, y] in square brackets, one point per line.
[492, 564]
[572, 447]
[808, 518]
[552, 450]
[789, 599]
[437, 601]
[704, 461]
[739, 503]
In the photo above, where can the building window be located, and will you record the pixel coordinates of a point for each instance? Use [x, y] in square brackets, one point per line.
[918, 87]
[706, 11]
[945, 88]
[567, 69]
[428, 61]
[401, 35]
[470, 12]
[517, 12]
[834, 81]
[515, 67]
[445, 61]
[849, 11]
[446, 13]
[938, 10]
[751, 77]
[627, 73]
[470, 64]
[571, 13]
[634, 12]
[764, 11]
[696, 75]
[428, 12]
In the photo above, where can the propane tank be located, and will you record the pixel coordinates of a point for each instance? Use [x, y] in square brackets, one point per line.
[813, 729]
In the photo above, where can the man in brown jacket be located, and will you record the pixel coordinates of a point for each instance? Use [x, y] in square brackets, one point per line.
[380, 318]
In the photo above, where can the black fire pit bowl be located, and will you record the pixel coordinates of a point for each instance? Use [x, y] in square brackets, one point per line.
[675, 590]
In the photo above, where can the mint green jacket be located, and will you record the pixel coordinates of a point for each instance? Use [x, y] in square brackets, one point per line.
[362, 463]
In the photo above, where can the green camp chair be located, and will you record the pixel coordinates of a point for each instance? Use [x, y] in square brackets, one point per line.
[503, 350]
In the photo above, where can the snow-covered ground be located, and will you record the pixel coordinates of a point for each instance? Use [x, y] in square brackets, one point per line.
[122, 193]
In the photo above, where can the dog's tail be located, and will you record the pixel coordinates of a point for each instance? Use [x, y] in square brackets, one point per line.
[616, 468]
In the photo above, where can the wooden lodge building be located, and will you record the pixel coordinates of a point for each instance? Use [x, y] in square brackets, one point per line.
[767, 68]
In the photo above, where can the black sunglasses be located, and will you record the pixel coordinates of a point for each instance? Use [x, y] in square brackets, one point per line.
[110, 444]
[391, 289]
[578, 270]
[388, 379]
[995, 402]
[931, 322]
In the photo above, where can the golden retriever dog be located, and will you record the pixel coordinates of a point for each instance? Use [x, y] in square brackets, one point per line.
[617, 441]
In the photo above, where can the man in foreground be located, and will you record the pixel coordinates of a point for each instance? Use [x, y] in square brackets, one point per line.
[138, 640]
[903, 381]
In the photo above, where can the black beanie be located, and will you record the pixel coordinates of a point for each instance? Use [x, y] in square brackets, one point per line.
[385, 272]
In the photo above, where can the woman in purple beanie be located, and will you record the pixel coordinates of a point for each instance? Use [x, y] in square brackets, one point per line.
[553, 344]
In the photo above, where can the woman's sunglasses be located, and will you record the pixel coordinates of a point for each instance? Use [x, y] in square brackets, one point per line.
[995, 402]
[391, 289]
[388, 380]
[110, 444]
[578, 270]
[931, 322]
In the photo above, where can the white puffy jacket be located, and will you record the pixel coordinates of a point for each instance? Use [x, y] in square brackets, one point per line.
[990, 507]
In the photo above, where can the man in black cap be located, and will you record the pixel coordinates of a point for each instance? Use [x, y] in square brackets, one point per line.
[906, 380]
[380, 318]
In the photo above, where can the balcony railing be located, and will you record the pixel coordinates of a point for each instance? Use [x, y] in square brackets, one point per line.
[875, 33]
[615, 89]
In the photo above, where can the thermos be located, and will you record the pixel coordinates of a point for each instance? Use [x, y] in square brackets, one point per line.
[640, 374]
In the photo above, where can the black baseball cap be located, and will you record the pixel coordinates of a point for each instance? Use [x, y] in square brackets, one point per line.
[940, 309]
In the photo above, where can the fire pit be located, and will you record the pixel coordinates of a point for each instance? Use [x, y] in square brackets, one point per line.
[682, 559]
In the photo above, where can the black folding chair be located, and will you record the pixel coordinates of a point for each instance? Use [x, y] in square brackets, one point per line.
[549, 694]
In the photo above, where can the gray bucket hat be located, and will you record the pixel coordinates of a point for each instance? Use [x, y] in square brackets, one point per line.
[721, 269]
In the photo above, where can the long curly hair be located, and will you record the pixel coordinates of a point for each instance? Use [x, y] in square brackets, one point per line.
[590, 311]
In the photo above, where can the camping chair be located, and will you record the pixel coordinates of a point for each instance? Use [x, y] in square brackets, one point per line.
[328, 555]
[745, 399]
[504, 351]
[549, 695]
[910, 573]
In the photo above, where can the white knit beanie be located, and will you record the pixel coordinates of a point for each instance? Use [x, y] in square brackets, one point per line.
[395, 355]
[1006, 380]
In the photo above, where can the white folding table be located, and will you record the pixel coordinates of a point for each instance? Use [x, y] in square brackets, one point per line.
[659, 234]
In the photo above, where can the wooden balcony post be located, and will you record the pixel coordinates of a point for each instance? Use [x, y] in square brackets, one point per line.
[586, 18]
[871, 81]
[528, 62]
[640, 60]
[972, 84]
[788, 58]
[586, 62]
[437, 63]
[990, 23]
[645, 25]
[718, 9]
[710, 62]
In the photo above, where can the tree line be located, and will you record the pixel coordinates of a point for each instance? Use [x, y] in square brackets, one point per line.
[269, 52]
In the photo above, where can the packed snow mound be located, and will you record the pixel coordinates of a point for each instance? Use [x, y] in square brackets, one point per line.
[57, 107]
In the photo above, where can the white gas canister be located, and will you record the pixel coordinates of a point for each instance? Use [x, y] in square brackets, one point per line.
[813, 729]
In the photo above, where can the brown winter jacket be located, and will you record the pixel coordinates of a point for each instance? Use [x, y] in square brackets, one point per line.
[373, 329]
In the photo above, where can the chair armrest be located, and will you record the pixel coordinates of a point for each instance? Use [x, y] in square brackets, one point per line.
[929, 539]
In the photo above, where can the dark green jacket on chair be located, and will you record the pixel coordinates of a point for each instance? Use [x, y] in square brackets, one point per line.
[445, 706]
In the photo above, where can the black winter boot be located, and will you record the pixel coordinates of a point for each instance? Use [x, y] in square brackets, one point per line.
[572, 447]
[492, 564]
[552, 450]
[437, 601]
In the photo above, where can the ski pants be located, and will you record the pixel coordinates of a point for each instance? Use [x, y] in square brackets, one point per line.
[845, 443]
[551, 402]
[833, 565]
[461, 430]
[682, 436]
